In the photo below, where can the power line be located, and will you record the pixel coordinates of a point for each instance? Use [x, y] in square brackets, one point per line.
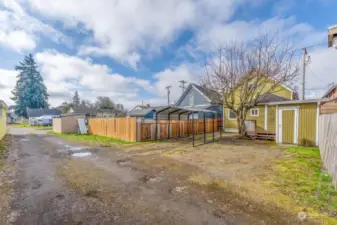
[313, 73]
[311, 46]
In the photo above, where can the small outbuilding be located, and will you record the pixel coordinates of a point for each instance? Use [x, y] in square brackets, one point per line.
[67, 123]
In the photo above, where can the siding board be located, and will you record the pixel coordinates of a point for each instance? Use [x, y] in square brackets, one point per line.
[307, 124]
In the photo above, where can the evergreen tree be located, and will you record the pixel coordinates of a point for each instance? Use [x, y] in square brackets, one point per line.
[29, 91]
[76, 100]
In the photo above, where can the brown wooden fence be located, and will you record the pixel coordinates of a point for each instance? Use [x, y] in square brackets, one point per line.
[128, 129]
[122, 128]
[175, 128]
[327, 133]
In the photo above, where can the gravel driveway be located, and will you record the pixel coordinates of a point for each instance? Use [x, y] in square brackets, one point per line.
[100, 186]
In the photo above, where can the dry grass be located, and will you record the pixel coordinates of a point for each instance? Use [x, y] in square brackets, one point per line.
[291, 184]
[253, 171]
[85, 179]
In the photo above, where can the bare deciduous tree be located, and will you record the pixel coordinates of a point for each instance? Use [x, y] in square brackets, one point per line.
[244, 72]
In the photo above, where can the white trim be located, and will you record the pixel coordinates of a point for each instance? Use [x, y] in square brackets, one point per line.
[258, 111]
[317, 124]
[279, 123]
[266, 117]
[229, 114]
[276, 125]
[231, 130]
[297, 102]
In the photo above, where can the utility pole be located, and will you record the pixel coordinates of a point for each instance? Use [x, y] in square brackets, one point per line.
[183, 82]
[306, 60]
[168, 94]
[303, 75]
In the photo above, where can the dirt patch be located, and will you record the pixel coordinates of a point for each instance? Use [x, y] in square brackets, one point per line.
[238, 175]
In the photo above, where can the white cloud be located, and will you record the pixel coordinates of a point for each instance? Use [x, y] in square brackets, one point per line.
[72, 73]
[321, 71]
[7, 84]
[171, 77]
[125, 30]
[20, 31]
[302, 34]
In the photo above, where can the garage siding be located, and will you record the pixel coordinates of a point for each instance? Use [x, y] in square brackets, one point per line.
[307, 124]
[272, 119]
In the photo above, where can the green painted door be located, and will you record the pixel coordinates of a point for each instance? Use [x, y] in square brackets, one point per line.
[288, 126]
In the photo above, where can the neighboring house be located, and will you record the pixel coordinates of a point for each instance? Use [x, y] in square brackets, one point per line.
[331, 105]
[93, 112]
[34, 114]
[194, 96]
[198, 97]
[139, 107]
[280, 117]
[144, 112]
[3, 118]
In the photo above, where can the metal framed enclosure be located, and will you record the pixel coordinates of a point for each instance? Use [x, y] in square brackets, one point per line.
[178, 122]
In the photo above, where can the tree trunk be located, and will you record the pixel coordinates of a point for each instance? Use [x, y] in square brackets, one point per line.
[241, 117]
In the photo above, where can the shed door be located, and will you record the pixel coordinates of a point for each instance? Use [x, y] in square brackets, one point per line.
[288, 126]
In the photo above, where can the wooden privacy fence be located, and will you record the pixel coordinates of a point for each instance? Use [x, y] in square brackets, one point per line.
[327, 134]
[122, 128]
[129, 129]
[175, 128]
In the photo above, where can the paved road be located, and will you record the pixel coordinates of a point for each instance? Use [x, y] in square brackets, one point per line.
[123, 192]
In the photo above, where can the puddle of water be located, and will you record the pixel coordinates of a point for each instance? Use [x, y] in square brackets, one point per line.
[81, 154]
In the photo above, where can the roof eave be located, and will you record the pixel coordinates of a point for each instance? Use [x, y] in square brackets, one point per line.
[297, 102]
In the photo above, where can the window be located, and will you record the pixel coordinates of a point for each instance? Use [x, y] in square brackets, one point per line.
[231, 115]
[254, 112]
[191, 99]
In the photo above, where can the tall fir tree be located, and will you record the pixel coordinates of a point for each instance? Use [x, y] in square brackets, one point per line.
[76, 100]
[29, 91]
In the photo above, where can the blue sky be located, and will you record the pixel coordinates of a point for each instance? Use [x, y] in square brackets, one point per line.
[130, 50]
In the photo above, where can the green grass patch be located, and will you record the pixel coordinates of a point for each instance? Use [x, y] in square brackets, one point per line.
[302, 177]
[26, 125]
[93, 139]
[19, 125]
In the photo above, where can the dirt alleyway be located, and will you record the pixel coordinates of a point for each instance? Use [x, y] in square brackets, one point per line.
[113, 187]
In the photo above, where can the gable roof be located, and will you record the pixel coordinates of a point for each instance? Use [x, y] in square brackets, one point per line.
[85, 110]
[140, 106]
[42, 112]
[269, 97]
[144, 111]
[329, 91]
[210, 95]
